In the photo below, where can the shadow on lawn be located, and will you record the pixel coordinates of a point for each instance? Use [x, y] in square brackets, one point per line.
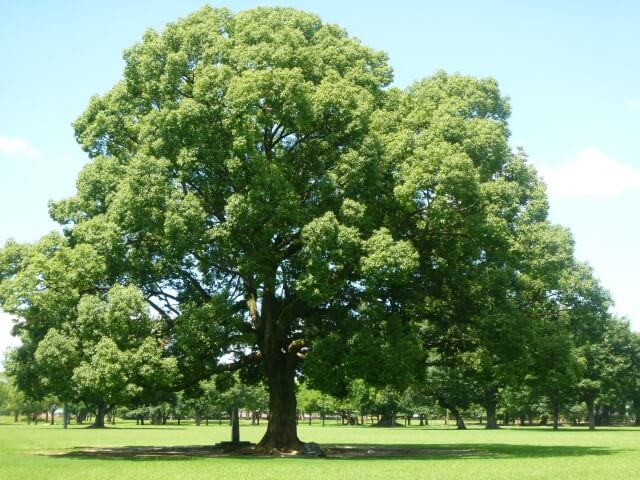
[146, 427]
[342, 452]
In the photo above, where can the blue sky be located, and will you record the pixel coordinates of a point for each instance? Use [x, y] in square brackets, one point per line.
[570, 68]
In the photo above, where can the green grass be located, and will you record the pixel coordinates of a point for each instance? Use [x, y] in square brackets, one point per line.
[518, 453]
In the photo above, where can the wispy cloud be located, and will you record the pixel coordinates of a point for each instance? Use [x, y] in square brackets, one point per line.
[591, 174]
[15, 146]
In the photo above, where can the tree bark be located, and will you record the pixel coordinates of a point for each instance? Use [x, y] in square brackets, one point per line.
[636, 408]
[101, 410]
[556, 414]
[388, 419]
[492, 422]
[591, 412]
[281, 431]
[460, 425]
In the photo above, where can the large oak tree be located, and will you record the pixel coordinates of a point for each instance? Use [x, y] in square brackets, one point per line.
[285, 213]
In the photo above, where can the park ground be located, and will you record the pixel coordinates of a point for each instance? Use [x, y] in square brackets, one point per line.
[435, 452]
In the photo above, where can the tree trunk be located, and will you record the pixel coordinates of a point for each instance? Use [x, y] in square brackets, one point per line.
[388, 419]
[460, 425]
[590, 403]
[281, 431]
[65, 416]
[99, 420]
[556, 414]
[492, 422]
[636, 408]
[459, 420]
[235, 426]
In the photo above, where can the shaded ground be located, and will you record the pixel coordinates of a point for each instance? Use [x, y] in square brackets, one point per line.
[356, 451]
[342, 451]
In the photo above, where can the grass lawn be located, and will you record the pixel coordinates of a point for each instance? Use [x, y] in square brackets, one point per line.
[518, 453]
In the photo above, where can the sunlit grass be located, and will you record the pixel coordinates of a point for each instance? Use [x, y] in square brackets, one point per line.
[519, 453]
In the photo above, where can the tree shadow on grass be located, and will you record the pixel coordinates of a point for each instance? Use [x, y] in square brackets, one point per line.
[342, 452]
[146, 427]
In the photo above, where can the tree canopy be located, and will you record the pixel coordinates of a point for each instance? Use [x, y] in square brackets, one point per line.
[257, 183]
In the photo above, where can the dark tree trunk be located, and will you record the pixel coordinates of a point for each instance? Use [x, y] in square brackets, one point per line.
[636, 408]
[459, 420]
[591, 412]
[460, 425]
[492, 422]
[65, 416]
[281, 431]
[388, 419]
[556, 415]
[100, 413]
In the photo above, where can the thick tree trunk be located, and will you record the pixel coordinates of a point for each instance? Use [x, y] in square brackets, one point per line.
[492, 422]
[556, 414]
[388, 419]
[591, 412]
[459, 420]
[99, 420]
[65, 416]
[460, 425]
[281, 431]
[636, 408]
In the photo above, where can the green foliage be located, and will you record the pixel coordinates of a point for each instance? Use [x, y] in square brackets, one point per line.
[256, 184]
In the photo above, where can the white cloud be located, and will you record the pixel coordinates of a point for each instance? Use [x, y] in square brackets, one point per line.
[591, 174]
[16, 146]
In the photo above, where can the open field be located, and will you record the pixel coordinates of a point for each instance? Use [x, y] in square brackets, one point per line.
[523, 453]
